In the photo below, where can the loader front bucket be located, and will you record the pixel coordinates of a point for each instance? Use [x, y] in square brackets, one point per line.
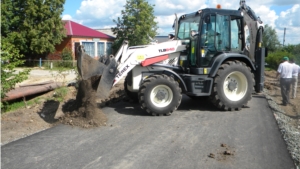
[104, 67]
[107, 79]
[87, 66]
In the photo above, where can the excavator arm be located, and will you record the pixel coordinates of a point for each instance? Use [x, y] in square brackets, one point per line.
[255, 51]
[255, 27]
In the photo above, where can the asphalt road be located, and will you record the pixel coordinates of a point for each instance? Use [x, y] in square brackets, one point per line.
[134, 140]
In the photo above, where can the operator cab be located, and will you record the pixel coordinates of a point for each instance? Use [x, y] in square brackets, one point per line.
[210, 32]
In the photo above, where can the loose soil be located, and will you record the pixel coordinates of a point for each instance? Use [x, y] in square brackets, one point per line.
[223, 153]
[86, 114]
[81, 108]
[84, 111]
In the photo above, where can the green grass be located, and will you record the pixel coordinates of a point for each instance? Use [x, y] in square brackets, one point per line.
[60, 94]
[8, 107]
[268, 69]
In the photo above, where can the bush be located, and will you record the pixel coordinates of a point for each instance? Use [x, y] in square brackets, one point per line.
[275, 58]
[66, 56]
[10, 59]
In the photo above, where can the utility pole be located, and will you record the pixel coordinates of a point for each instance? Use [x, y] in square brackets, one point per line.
[283, 37]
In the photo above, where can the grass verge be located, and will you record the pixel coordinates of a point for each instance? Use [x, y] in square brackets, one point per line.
[59, 95]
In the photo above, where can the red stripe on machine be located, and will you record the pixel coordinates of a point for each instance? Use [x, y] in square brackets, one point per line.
[150, 61]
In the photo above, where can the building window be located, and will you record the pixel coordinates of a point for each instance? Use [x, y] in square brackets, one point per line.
[97, 49]
[100, 49]
[108, 48]
[89, 48]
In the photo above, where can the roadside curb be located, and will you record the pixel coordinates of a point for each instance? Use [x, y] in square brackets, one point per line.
[290, 134]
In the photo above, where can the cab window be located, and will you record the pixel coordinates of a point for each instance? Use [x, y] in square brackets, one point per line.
[186, 25]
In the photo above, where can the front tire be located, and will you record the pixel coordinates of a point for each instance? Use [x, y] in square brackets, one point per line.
[160, 95]
[233, 86]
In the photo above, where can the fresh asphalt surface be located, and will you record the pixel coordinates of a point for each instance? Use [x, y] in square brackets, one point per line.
[134, 140]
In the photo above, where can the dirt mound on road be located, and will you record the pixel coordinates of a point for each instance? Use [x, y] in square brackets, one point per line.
[85, 111]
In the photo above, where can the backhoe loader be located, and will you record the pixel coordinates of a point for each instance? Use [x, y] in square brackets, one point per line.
[210, 56]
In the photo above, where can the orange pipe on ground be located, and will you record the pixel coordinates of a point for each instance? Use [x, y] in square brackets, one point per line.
[30, 90]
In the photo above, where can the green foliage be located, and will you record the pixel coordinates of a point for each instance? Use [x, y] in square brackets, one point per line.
[289, 48]
[67, 58]
[17, 105]
[66, 54]
[268, 69]
[136, 25]
[59, 75]
[294, 50]
[275, 58]
[33, 26]
[61, 93]
[10, 107]
[270, 38]
[10, 59]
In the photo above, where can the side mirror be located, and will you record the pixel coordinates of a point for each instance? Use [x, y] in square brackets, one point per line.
[171, 36]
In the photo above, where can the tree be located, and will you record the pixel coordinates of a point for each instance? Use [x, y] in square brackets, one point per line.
[10, 58]
[32, 26]
[270, 38]
[288, 48]
[136, 25]
[296, 53]
[275, 58]
[28, 27]
[294, 50]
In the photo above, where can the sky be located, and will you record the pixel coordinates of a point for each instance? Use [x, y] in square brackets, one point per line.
[278, 14]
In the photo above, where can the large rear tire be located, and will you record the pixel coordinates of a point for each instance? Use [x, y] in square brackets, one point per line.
[160, 95]
[233, 86]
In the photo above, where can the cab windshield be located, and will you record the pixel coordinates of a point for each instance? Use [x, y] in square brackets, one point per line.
[186, 25]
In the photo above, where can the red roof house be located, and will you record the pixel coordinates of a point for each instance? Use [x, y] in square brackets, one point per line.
[96, 44]
[75, 29]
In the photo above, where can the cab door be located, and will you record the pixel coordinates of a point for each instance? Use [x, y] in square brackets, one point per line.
[215, 38]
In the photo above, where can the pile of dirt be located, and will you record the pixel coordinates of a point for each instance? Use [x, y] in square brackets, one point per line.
[85, 111]
[223, 153]
[40, 116]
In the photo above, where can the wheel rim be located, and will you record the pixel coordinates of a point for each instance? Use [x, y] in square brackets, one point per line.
[161, 96]
[235, 86]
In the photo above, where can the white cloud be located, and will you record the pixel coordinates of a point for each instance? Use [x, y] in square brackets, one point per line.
[66, 17]
[167, 7]
[161, 31]
[267, 16]
[283, 2]
[289, 19]
[100, 13]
